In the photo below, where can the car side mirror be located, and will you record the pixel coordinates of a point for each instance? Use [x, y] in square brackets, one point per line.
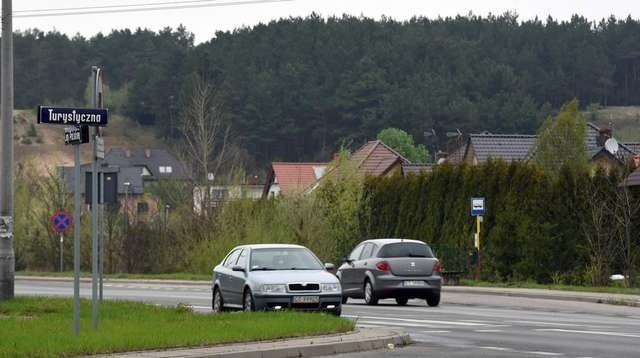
[347, 260]
[237, 268]
[329, 266]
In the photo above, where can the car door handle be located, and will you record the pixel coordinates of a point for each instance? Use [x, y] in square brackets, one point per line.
[365, 264]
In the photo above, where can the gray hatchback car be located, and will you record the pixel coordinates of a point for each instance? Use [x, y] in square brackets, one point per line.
[391, 268]
[274, 277]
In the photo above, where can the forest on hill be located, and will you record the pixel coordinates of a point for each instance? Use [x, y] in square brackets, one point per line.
[298, 88]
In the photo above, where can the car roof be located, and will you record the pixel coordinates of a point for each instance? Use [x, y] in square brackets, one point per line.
[386, 241]
[271, 246]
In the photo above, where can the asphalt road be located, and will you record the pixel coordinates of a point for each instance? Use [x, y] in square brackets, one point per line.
[464, 325]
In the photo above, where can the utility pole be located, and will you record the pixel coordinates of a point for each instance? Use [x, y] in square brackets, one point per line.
[7, 255]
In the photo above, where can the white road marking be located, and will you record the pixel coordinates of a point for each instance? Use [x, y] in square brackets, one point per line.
[502, 349]
[550, 354]
[396, 324]
[201, 307]
[603, 333]
[435, 331]
[549, 323]
[422, 321]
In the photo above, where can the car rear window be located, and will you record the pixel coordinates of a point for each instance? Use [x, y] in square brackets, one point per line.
[405, 249]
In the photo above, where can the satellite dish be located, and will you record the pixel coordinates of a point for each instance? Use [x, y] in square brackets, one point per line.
[611, 145]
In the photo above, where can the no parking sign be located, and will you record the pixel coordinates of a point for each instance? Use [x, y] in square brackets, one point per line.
[61, 221]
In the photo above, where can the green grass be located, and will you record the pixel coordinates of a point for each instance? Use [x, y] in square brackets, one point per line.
[43, 327]
[602, 289]
[130, 276]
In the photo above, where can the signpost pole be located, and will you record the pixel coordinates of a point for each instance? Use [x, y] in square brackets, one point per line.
[101, 233]
[94, 209]
[76, 243]
[477, 210]
[61, 253]
[478, 220]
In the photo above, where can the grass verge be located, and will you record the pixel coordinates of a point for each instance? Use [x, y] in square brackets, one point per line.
[43, 327]
[130, 276]
[600, 289]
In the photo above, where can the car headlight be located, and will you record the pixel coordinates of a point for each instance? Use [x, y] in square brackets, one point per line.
[270, 289]
[330, 287]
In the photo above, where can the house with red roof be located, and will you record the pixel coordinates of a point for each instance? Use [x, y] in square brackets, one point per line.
[284, 178]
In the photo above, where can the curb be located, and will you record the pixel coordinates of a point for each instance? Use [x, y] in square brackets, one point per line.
[606, 298]
[121, 280]
[357, 341]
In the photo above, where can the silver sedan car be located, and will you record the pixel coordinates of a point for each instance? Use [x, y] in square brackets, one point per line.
[391, 268]
[274, 277]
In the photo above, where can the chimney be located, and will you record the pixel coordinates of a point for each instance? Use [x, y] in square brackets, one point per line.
[636, 161]
[603, 134]
[147, 153]
[127, 153]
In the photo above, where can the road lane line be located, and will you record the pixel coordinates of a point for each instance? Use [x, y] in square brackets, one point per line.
[550, 354]
[396, 324]
[502, 349]
[550, 323]
[602, 333]
[435, 331]
[423, 321]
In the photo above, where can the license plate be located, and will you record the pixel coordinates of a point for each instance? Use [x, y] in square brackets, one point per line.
[414, 283]
[306, 299]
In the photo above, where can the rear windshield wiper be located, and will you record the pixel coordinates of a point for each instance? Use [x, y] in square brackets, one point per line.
[417, 255]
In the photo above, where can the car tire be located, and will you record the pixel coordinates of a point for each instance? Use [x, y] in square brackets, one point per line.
[337, 311]
[402, 301]
[345, 299]
[217, 304]
[247, 301]
[433, 299]
[369, 295]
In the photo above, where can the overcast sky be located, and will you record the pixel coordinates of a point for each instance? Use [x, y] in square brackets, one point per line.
[205, 21]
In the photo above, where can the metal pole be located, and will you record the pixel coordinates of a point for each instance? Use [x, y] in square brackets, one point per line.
[76, 243]
[61, 253]
[101, 234]
[7, 254]
[478, 220]
[94, 209]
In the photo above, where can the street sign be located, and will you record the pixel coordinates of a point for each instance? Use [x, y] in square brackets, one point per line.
[61, 221]
[99, 148]
[96, 117]
[76, 135]
[477, 206]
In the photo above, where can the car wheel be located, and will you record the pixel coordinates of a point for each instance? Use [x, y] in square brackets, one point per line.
[247, 301]
[433, 299]
[402, 301]
[337, 311]
[217, 304]
[369, 296]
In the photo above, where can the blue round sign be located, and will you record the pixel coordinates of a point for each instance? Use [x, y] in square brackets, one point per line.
[61, 221]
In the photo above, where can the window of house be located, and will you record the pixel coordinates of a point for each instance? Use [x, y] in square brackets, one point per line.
[165, 169]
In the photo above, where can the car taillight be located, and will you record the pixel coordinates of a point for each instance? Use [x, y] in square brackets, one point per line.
[383, 266]
[437, 267]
